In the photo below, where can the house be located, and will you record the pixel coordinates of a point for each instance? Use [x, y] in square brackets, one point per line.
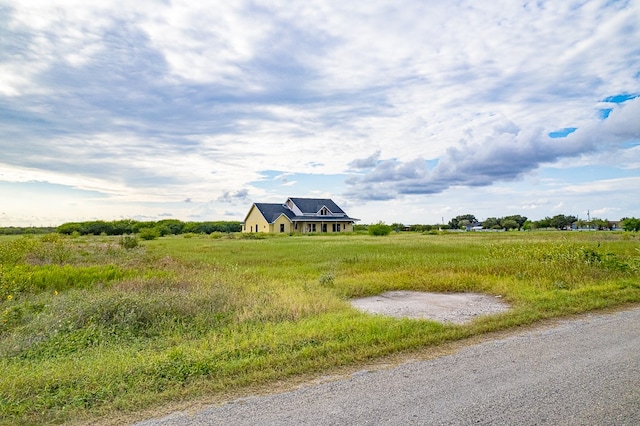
[298, 215]
[475, 226]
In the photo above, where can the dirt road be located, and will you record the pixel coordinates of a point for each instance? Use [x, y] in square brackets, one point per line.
[580, 371]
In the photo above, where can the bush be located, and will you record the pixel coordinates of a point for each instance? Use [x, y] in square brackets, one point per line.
[149, 233]
[128, 242]
[379, 229]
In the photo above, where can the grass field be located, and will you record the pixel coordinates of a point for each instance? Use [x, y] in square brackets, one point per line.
[89, 328]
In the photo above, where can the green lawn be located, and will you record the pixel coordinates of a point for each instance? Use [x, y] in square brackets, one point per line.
[88, 327]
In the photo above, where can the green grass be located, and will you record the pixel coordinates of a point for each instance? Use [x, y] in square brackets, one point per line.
[89, 328]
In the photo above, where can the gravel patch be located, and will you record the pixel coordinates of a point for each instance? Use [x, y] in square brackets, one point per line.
[458, 308]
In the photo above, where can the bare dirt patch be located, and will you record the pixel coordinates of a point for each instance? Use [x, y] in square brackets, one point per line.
[458, 308]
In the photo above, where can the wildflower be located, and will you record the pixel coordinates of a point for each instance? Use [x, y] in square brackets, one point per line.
[9, 297]
[55, 293]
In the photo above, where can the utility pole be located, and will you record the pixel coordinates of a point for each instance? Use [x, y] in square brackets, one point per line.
[588, 221]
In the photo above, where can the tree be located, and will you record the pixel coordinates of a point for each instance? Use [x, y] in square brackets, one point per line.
[509, 224]
[631, 224]
[561, 221]
[170, 226]
[520, 220]
[543, 223]
[397, 227]
[600, 224]
[490, 223]
[69, 228]
[455, 222]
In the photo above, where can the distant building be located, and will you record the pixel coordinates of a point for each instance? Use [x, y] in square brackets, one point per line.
[475, 226]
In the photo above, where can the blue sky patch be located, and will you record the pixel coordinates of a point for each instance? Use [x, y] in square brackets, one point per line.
[618, 99]
[562, 133]
[604, 113]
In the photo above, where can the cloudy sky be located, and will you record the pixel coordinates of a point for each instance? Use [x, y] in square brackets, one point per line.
[410, 111]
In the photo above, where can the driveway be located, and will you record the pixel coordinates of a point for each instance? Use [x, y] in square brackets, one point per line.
[583, 371]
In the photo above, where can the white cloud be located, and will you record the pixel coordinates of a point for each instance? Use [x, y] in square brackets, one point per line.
[152, 101]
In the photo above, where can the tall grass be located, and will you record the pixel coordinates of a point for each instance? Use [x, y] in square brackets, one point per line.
[88, 327]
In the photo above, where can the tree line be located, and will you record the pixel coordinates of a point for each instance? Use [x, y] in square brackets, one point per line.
[26, 230]
[161, 227]
[560, 222]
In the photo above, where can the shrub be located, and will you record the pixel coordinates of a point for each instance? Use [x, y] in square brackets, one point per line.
[128, 242]
[149, 233]
[379, 229]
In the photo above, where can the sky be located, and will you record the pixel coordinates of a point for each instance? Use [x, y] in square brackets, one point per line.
[401, 111]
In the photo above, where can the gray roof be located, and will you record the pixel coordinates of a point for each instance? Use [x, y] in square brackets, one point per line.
[313, 205]
[272, 211]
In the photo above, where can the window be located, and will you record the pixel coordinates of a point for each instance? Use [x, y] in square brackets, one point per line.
[337, 227]
[313, 227]
[324, 227]
[282, 227]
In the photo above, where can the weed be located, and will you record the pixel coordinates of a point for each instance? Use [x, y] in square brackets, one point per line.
[128, 242]
[326, 280]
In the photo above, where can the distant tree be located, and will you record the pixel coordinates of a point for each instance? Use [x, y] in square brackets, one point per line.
[17, 230]
[455, 222]
[397, 227]
[69, 228]
[520, 220]
[149, 233]
[509, 224]
[562, 222]
[490, 223]
[121, 227]
[600, 224]
[544, 223]
[631, 224]
[139, 226]
[209, 227]
[163, 227]
[170, 226]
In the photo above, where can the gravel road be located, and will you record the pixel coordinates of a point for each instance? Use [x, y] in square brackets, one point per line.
[583, 371]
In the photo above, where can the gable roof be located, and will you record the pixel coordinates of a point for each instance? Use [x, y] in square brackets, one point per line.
[272, 211]
[313, 205]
